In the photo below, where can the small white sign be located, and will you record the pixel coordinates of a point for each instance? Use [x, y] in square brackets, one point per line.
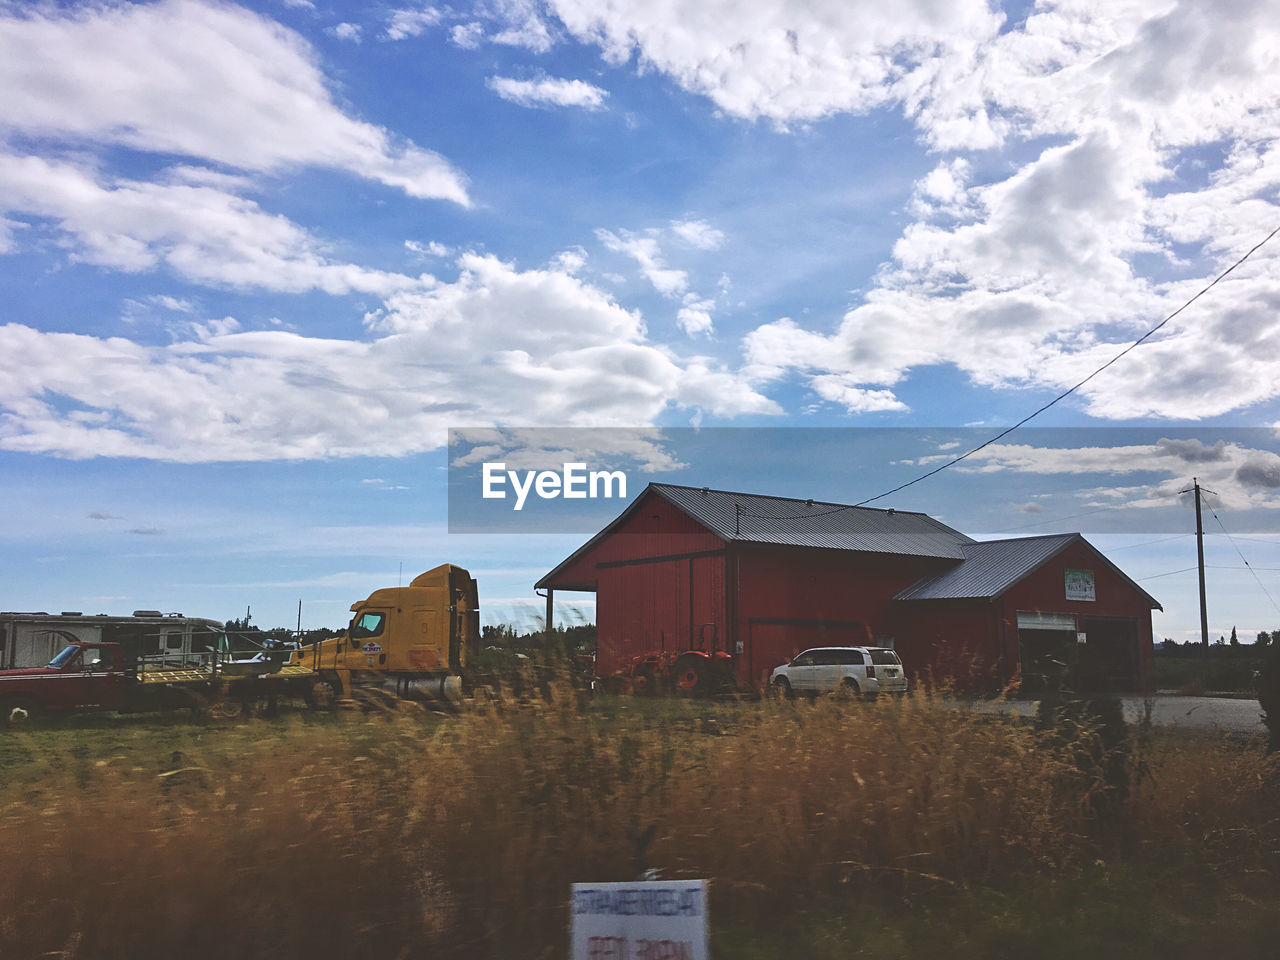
[1079, 584]
[645, 920]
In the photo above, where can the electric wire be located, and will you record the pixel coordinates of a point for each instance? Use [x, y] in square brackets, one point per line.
[1261, 586]
[738, 512]
[1170, 573]
[1070, 516]
[1067, 393]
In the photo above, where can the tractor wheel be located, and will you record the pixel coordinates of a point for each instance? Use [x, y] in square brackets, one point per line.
[643, 683]
[689, 678]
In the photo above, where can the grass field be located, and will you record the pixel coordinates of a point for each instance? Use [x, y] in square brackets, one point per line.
[828, 829]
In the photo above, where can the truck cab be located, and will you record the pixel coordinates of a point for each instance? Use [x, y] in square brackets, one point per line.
[83, 675]
[416, 639]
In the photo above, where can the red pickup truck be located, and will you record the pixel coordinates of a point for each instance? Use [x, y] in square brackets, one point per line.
[82, 676]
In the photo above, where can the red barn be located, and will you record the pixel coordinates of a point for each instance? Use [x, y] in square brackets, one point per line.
[766, 577]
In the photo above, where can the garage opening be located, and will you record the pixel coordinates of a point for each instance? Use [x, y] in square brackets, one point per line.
[1046, 651]
[1085, 655]
[1109, 656]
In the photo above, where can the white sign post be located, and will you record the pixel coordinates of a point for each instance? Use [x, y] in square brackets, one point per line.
[645, 920]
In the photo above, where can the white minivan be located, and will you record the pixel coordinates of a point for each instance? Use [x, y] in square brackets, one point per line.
[853, 670]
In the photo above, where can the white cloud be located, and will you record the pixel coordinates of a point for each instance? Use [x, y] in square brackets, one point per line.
[644, 249]
[202, 233]
[176, 304]
[548, 92]
[411, 22]
[497, 346]
[786, 62]
[541, 448]
[698, 233]
[695, 316]
[467, 35]
[1035, 279]
[432, 248]
[1039, 274]
[1240, 476]
[346, 31]
[202, 80]
[523, 24]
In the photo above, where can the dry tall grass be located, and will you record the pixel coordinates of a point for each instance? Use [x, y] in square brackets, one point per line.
[394, 836]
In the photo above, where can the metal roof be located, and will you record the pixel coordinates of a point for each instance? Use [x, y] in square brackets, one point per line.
[991, 567]
[754, 518]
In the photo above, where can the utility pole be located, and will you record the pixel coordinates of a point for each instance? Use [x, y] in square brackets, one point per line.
[1204, 609]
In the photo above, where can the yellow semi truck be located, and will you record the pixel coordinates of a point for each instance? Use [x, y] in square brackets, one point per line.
[416, 642]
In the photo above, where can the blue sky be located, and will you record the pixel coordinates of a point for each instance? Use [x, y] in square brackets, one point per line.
[256, 260]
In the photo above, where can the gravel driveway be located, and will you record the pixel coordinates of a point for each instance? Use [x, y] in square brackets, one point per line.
[1189, 713]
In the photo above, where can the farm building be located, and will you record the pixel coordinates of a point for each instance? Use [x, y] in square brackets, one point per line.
[765, 577]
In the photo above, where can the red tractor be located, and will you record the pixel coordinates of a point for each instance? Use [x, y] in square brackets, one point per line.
[694, 672]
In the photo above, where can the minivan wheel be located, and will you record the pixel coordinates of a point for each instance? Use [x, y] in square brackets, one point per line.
[782, 687]
[849, 689]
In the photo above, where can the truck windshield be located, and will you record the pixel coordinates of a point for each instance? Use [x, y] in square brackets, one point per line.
[65, 656]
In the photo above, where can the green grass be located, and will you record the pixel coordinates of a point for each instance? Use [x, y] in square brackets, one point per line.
[828, 829]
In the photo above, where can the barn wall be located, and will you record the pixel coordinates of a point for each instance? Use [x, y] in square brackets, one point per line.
[667, 605]
[791, 598]
[1044, 591]
[953, 640]
[655, 528]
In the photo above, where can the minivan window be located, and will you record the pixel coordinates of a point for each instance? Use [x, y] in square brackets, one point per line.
[850, 658]
[885, 657]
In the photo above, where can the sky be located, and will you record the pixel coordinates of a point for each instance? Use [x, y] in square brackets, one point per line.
[257, 260]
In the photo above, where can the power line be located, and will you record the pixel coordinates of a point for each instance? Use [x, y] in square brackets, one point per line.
[1041, 523]
[739, 512]
[1244, 561]
[1067, 393]
[1211, 566]
[1157, 576]
[1148, 543]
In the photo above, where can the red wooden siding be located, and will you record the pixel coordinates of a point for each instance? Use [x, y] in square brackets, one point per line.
[654, 529]
[673, 604]
[790, 598]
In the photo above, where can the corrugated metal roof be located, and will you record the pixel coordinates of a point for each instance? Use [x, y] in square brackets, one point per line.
[990, 568]
[753, 518]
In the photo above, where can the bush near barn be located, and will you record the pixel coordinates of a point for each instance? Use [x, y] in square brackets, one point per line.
[828, 829]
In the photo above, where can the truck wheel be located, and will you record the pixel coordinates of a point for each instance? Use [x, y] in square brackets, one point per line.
[16, 711]
[226, 708]
[321, 696]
